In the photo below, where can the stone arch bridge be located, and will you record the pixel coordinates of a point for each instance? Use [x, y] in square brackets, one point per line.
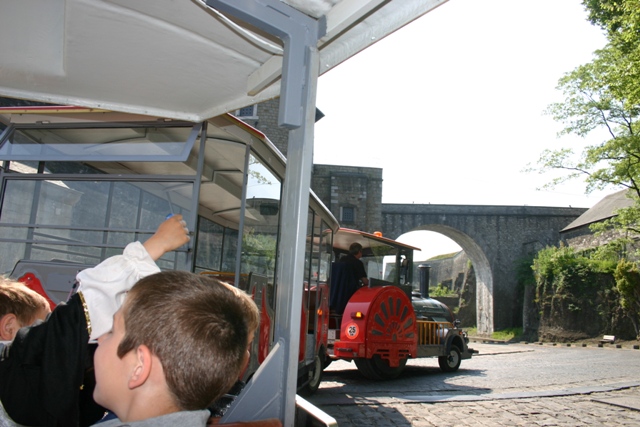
[493, 238]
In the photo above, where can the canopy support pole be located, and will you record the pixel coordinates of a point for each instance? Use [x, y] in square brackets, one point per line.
[299, 34]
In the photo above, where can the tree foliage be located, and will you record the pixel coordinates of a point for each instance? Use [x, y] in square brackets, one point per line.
[590, 104]
[604, 95]
[621, 20]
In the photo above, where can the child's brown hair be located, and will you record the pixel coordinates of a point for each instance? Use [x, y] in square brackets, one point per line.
[18, 299]
[196, 326]
[251, 309]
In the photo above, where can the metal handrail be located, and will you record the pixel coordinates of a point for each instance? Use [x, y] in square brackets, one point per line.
[432, 333]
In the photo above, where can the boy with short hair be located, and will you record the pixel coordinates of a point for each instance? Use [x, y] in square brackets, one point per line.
[177, 344]
[43, 369]
[20, 306]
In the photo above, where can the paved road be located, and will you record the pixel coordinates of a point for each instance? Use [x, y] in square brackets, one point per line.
[504, 385]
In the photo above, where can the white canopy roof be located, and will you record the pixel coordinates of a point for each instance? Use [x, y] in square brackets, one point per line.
[182, 59]
[172, 58]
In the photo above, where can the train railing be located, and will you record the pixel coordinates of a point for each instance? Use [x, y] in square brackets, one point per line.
[432, 333]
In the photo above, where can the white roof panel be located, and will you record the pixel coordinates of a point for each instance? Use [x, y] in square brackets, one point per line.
[170, 58]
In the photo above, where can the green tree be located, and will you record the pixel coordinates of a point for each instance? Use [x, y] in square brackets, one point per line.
[604, 94]
[621, 20]
[589, 105]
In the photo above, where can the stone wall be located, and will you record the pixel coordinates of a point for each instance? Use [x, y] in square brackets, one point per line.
[582, 238]
[447, 271]
[456, 273]
[267, 123]
[357, 188]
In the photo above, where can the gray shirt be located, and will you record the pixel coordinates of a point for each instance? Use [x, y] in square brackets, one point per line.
[183, 419]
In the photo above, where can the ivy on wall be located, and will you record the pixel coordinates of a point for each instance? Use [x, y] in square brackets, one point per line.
[585, 294]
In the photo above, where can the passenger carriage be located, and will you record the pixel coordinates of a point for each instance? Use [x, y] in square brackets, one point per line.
[188, 62]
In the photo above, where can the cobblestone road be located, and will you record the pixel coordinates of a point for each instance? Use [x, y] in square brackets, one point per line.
[601, 388]
[591, 409]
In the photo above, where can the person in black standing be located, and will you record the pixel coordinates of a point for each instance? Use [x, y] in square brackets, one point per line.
[347, 276]
[353, 258]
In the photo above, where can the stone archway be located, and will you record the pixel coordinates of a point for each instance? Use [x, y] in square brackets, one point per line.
[484, 277]
[494, 238]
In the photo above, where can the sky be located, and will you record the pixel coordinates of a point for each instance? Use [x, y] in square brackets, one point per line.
[451, 106]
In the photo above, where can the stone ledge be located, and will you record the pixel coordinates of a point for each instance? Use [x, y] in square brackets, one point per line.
[554, 344]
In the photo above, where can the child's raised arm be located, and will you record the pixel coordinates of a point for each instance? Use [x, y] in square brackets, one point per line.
[171, 234]
[104, 286]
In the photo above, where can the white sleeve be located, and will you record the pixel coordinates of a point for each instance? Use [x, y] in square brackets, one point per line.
[105, 285]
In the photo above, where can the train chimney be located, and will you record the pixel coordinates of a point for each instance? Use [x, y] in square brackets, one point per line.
[424, 279]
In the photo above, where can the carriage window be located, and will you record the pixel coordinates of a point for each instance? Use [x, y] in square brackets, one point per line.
[210, 241]
[217, 245]
[83, 220]
[326, 251]
[262, 216]
[309, 253]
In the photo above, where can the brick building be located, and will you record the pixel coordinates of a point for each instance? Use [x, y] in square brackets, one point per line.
[578, 234]
[352, 193]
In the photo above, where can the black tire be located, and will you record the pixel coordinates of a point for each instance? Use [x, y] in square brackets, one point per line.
[377, 368]
[327, 362]
[451, 362]
[366, 369]
[315, 375]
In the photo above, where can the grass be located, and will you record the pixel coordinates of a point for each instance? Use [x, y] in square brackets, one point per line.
[443, 256]
[441, 291]
[508, 334]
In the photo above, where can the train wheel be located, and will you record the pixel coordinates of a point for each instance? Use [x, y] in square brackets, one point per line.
[377, 368]
[451, 362]
[315, 375]
[326, 363]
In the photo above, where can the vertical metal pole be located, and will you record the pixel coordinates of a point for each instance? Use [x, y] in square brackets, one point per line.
[300, 34]
[190, 258]
[243, 210]
[295, 205]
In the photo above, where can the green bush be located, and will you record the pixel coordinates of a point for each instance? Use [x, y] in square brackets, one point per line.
[576, 292]
[627, 278]
[440, 291]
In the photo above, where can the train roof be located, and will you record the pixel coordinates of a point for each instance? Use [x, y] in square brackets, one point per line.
[55, 123]
[371, 243]
[170, 58]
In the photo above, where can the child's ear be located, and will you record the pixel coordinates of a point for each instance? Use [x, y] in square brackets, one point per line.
[9, 326]
[142, 367]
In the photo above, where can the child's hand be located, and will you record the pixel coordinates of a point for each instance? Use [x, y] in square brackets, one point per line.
[170, 235]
